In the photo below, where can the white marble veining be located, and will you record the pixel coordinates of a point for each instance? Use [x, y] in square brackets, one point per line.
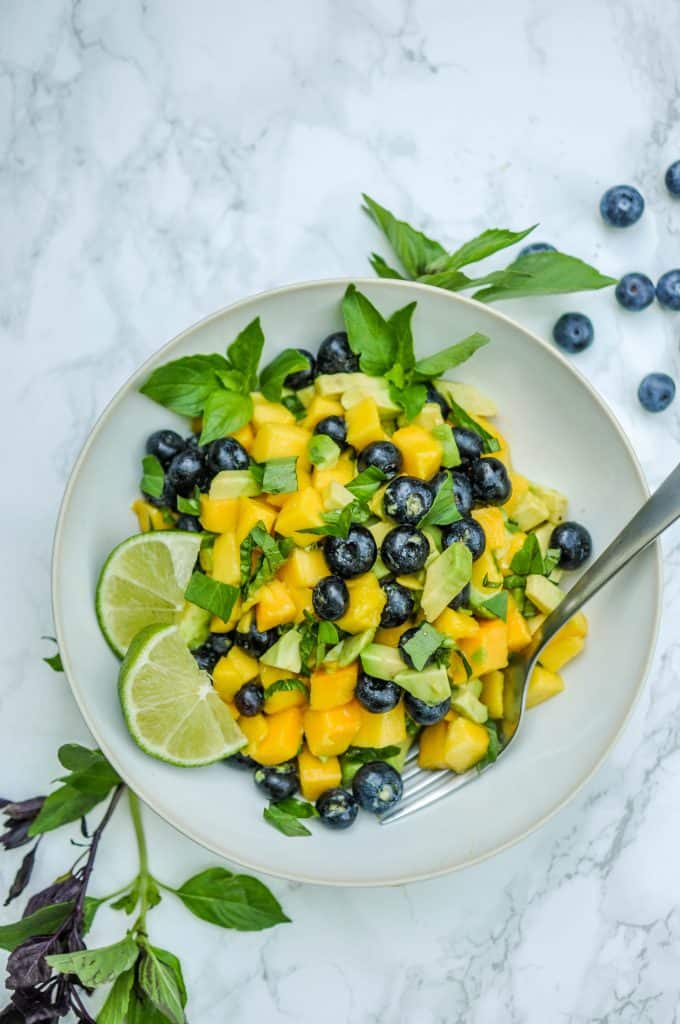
[158, 160]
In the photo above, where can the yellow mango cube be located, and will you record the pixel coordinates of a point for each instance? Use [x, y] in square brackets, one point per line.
[432, 747]
[232, 671]
[281, 700]
[421, 452]
[488, 648]
[492, 693]
[381, 730]
[329, 733]
[341, 473]
[245, 436]
[219, 515]
[363, 424]
[303, 510]
[317, 776]
[275, 606]
[252, 511]
[466, 744]
[149, 517]
[304, 568]
[559, 651]
[333, 686]
[505, 554]
[519, 633]
[485, 573]
[366, 602]
[457, 671]
[226, 560]
[319, 408]
[520, 486]
[269, 412]
[456, 624]
[578, 626]
[429, 416]
[302, 596]
[390, 636]
[283, 738]
[254, 729]
[492, 522]
[279, 441]
[543, 685]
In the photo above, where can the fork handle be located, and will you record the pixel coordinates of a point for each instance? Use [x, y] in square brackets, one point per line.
[657, 513]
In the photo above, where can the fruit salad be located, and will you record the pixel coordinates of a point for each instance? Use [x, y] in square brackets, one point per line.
[336, 564]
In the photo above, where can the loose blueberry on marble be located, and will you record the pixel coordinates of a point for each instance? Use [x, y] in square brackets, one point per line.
[634, 292]
[656, 391]
[672, 178]
[533, 247]
[668, 289]
[621, 206]
[573, 332]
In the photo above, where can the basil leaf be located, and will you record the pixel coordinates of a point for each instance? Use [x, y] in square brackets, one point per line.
[286, 823]
[43, 922]
[326, 636]
[415, 250]
[274, 374]
[297, 808]
[546, 273]
[490, 241]
[183, 385]
[400, 323]
[153, 477]
[364, 755]
[529, 558]
[550, 560]
[443, 433]
[211, 595]
[190, 506]
[95, 967]
[114, 1010]
[498, 605]
[174, 966]
[232, 380]
[225, 413]
[274, 554]
[158, 983]
[410, 399]
[450, 280]
[279, 476]
[365, 484]
[338, 521]
[382, 268]
[286, 686]
[369, 334]
[85, 787]
[423, 644]
[494, 748]
[244, 353]
[323, 451]
[443, 509]
[437, 365]
[54, 660]
[464, 420]
[231, 901]
[294, 405]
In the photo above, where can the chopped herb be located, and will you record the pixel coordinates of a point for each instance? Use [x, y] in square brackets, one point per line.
[294, 405]
[215, 597]
[365, 484]
[274, 554]
[436, 366]
[323, 451]
[339, 520]
[153, 477]
[284, 821]
[423, 645]
[190, 506]
[274, 373]
[443, 433]
[286, 686]
[464, 420]
[494, 748]
[490, 584]
[279, 476]
[443, 509]
[364, 755]
[498, 605]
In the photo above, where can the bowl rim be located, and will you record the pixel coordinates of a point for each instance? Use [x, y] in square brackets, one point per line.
[109, 410]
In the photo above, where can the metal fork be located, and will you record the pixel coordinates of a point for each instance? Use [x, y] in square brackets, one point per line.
[423, 788]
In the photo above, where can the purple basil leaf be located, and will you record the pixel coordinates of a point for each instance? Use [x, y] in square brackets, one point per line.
[26, 966]
[59, 892]
[10, 1015]
[24, 810]
[23, 875]
[37, 1007]
[16, 834]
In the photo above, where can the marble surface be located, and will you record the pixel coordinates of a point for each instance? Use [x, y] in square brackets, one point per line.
[159, 160]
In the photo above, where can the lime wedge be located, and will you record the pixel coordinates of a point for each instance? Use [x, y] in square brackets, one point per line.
[143, 582]
[170, 706]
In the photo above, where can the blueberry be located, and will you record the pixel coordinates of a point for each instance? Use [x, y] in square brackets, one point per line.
[189, 523]
[337, 808]
[377, 695]
[403, 640]
[253, 641]
[634, 292]
[469, 532]
[656, 391]
[621, 206]
[490, 482]
[404, 550]
[470, 444]
[220, 643]
[186, 471]
[227, 453]
[249, 700]
[164, 444]
[407, 499]
[462, 491]
[352, 555]
[400, 604]
[205, 657]
[242, 761]
[533, 247]
[191, 441]
[672, 178]
[574, 543]
[334, 427]
[668, 289]
[300, 379]
[330, 598]
[573, 332]
[462, 599]
[383, 455]
[377, 786]
[426, 714]
[435, 396]
[335, 355]
[277, 781]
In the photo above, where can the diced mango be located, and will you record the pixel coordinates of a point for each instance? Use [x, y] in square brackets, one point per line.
[281, 700]
[329, 733]
[218, 625]
[304, 568]
[455, 624]
[232, 671]
[492, 522]
[363, 424]
[381, 730]
[559, 651]
[303, 510]
[302, 596]
[488, 648]
[196, 424]
[457, 671]
[542, 686]
[317, 776]
[279, 441]
[233, 710]
[226, 560]
[519, 633]
[390, 637]
[505, 554]
[275, 606]
[269, 412]
[486, 576]
[319, 408]
[252, 511]
[421, 452]
[492, 693]
[255, 730]
[466, 744]
[520, 486]
[283, 738]
[366, 602]
[149, 517]
[341, 473]
[432, 741]
[245, 436]
[578, 626]
[332, 687]
[218, 515]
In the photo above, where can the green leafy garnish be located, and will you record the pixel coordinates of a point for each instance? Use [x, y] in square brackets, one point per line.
[443, 509]
[279, 476]
[53, 660]
[364, 755]
[286, 686]
[443, 433]
[274, 374]
[225, 412]
[323, 451]
[215, 597]
[245, 351]
[416, 251]
[338, 521]
[436, 366]
[286, 822]
[231, 901]
[89, 781]
[184, 385]
[274, 554]
[369, 334]
[294, 405]
[544, 273]
[497, 605]
[423, 644]
[190, 506]
[494, 748]
[153, 477]
[463, 419]
[365, 484]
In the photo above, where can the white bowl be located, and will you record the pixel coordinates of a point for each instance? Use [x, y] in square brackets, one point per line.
[560, 433]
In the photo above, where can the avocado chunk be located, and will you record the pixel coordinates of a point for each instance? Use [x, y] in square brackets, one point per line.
[194, 625]
[382, 661]
[542, 593]
[446, 576]
[336, 496]
[530, 511]
[471, 398]
[543, 534]
[349, 650]
[554, 501]
[323, 451]
[370, 387]
[285, 653]
[468, 704]
[234, 483]
[431, 685]
[331, 384]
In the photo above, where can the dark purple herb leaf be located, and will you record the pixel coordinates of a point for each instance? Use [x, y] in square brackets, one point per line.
[23, 875]
[43, 922]
[26, 966]
[64, 890]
